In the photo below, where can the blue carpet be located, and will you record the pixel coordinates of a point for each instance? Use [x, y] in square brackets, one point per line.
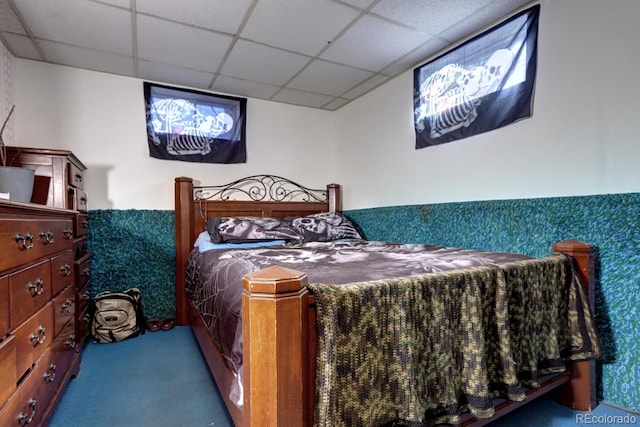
[160, 380]
[545, 412]
[157, 379]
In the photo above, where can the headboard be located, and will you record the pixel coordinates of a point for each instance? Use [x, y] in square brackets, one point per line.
[256, 195]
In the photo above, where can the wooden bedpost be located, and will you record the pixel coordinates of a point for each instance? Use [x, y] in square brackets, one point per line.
[334, 197]
[580, 392]
[184, 229]
[275, 333]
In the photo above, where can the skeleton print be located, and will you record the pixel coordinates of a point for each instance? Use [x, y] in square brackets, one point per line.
[192, 130]
[324, 227]
[449, 97]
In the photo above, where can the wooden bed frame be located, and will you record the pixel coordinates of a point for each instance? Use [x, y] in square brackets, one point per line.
[279, 313]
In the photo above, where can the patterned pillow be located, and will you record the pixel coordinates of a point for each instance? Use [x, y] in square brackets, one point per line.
[324, 227]
[243, 229]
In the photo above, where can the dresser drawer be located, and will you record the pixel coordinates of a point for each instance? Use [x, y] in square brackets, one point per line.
[29, 290]
[80, 247]
[83, 271]
[28, 404]
[83, 324]
[62, 271]
[7, 367]
[64, 308]
[32, 239]
[81, 224]
[55, 361]
[4, 306]
[77, 199]
[32, 337]
[76, 176]
[84, 296]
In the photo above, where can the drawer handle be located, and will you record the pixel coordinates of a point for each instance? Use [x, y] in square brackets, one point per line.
[39, 338]
[47, 236]
[84, 224]
[71, 342]
[78, 177]
[87, 318]
[36, 289]
[66, 270]
[66, 307]
[68, 234]
[86, 271]
[26, 241]
[24, 419]
[50, 375]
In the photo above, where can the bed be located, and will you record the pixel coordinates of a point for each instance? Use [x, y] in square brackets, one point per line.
[293, 350]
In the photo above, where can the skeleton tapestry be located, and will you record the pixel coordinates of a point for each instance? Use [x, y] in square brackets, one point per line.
[194, 126]
[484, 84]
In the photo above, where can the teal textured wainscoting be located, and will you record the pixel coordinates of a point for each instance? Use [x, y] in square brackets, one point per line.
[611, 223]
[137, 248]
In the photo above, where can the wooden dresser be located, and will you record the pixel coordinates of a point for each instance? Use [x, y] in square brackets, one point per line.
[38, 346]
[59, 182]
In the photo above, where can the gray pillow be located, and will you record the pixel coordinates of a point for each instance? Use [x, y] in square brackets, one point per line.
[324, 227]
[244, 229]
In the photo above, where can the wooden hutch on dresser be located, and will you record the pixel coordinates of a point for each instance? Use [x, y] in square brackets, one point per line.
[59, 201]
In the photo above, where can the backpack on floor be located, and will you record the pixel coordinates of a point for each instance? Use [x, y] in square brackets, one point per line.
[117, 316]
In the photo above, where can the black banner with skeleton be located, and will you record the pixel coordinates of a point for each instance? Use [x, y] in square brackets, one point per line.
[484, 84]
[195, 126]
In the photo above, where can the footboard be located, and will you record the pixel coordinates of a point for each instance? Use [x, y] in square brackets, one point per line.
[279, 349]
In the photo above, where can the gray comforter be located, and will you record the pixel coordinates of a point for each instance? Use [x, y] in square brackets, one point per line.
[214, 278]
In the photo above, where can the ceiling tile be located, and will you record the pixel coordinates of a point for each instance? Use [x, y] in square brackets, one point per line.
[8, 20]
[430, 16]
[22, 44]
[301, 26]
[231, 85]
[362, 4]
[174, 75]
[328, 78]
[263, 64]
[365, 87]
[126, 4]
[417, 56]
[79, 23]
[318, 53]
[183, 45]
[219, 15]
[86, 58]
[292, 96]
[335, 104]
[482, 20]
[373, 43]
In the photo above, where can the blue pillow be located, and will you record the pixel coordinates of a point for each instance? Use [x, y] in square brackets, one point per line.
[204, 244]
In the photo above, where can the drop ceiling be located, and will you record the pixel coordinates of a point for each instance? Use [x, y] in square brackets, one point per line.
[315, 53]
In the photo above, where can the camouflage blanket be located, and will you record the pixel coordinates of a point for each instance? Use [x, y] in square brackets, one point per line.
[421, 350]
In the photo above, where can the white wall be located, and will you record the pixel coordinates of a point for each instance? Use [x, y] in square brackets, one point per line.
[101, 118]
[7, 78]
[582, 138]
